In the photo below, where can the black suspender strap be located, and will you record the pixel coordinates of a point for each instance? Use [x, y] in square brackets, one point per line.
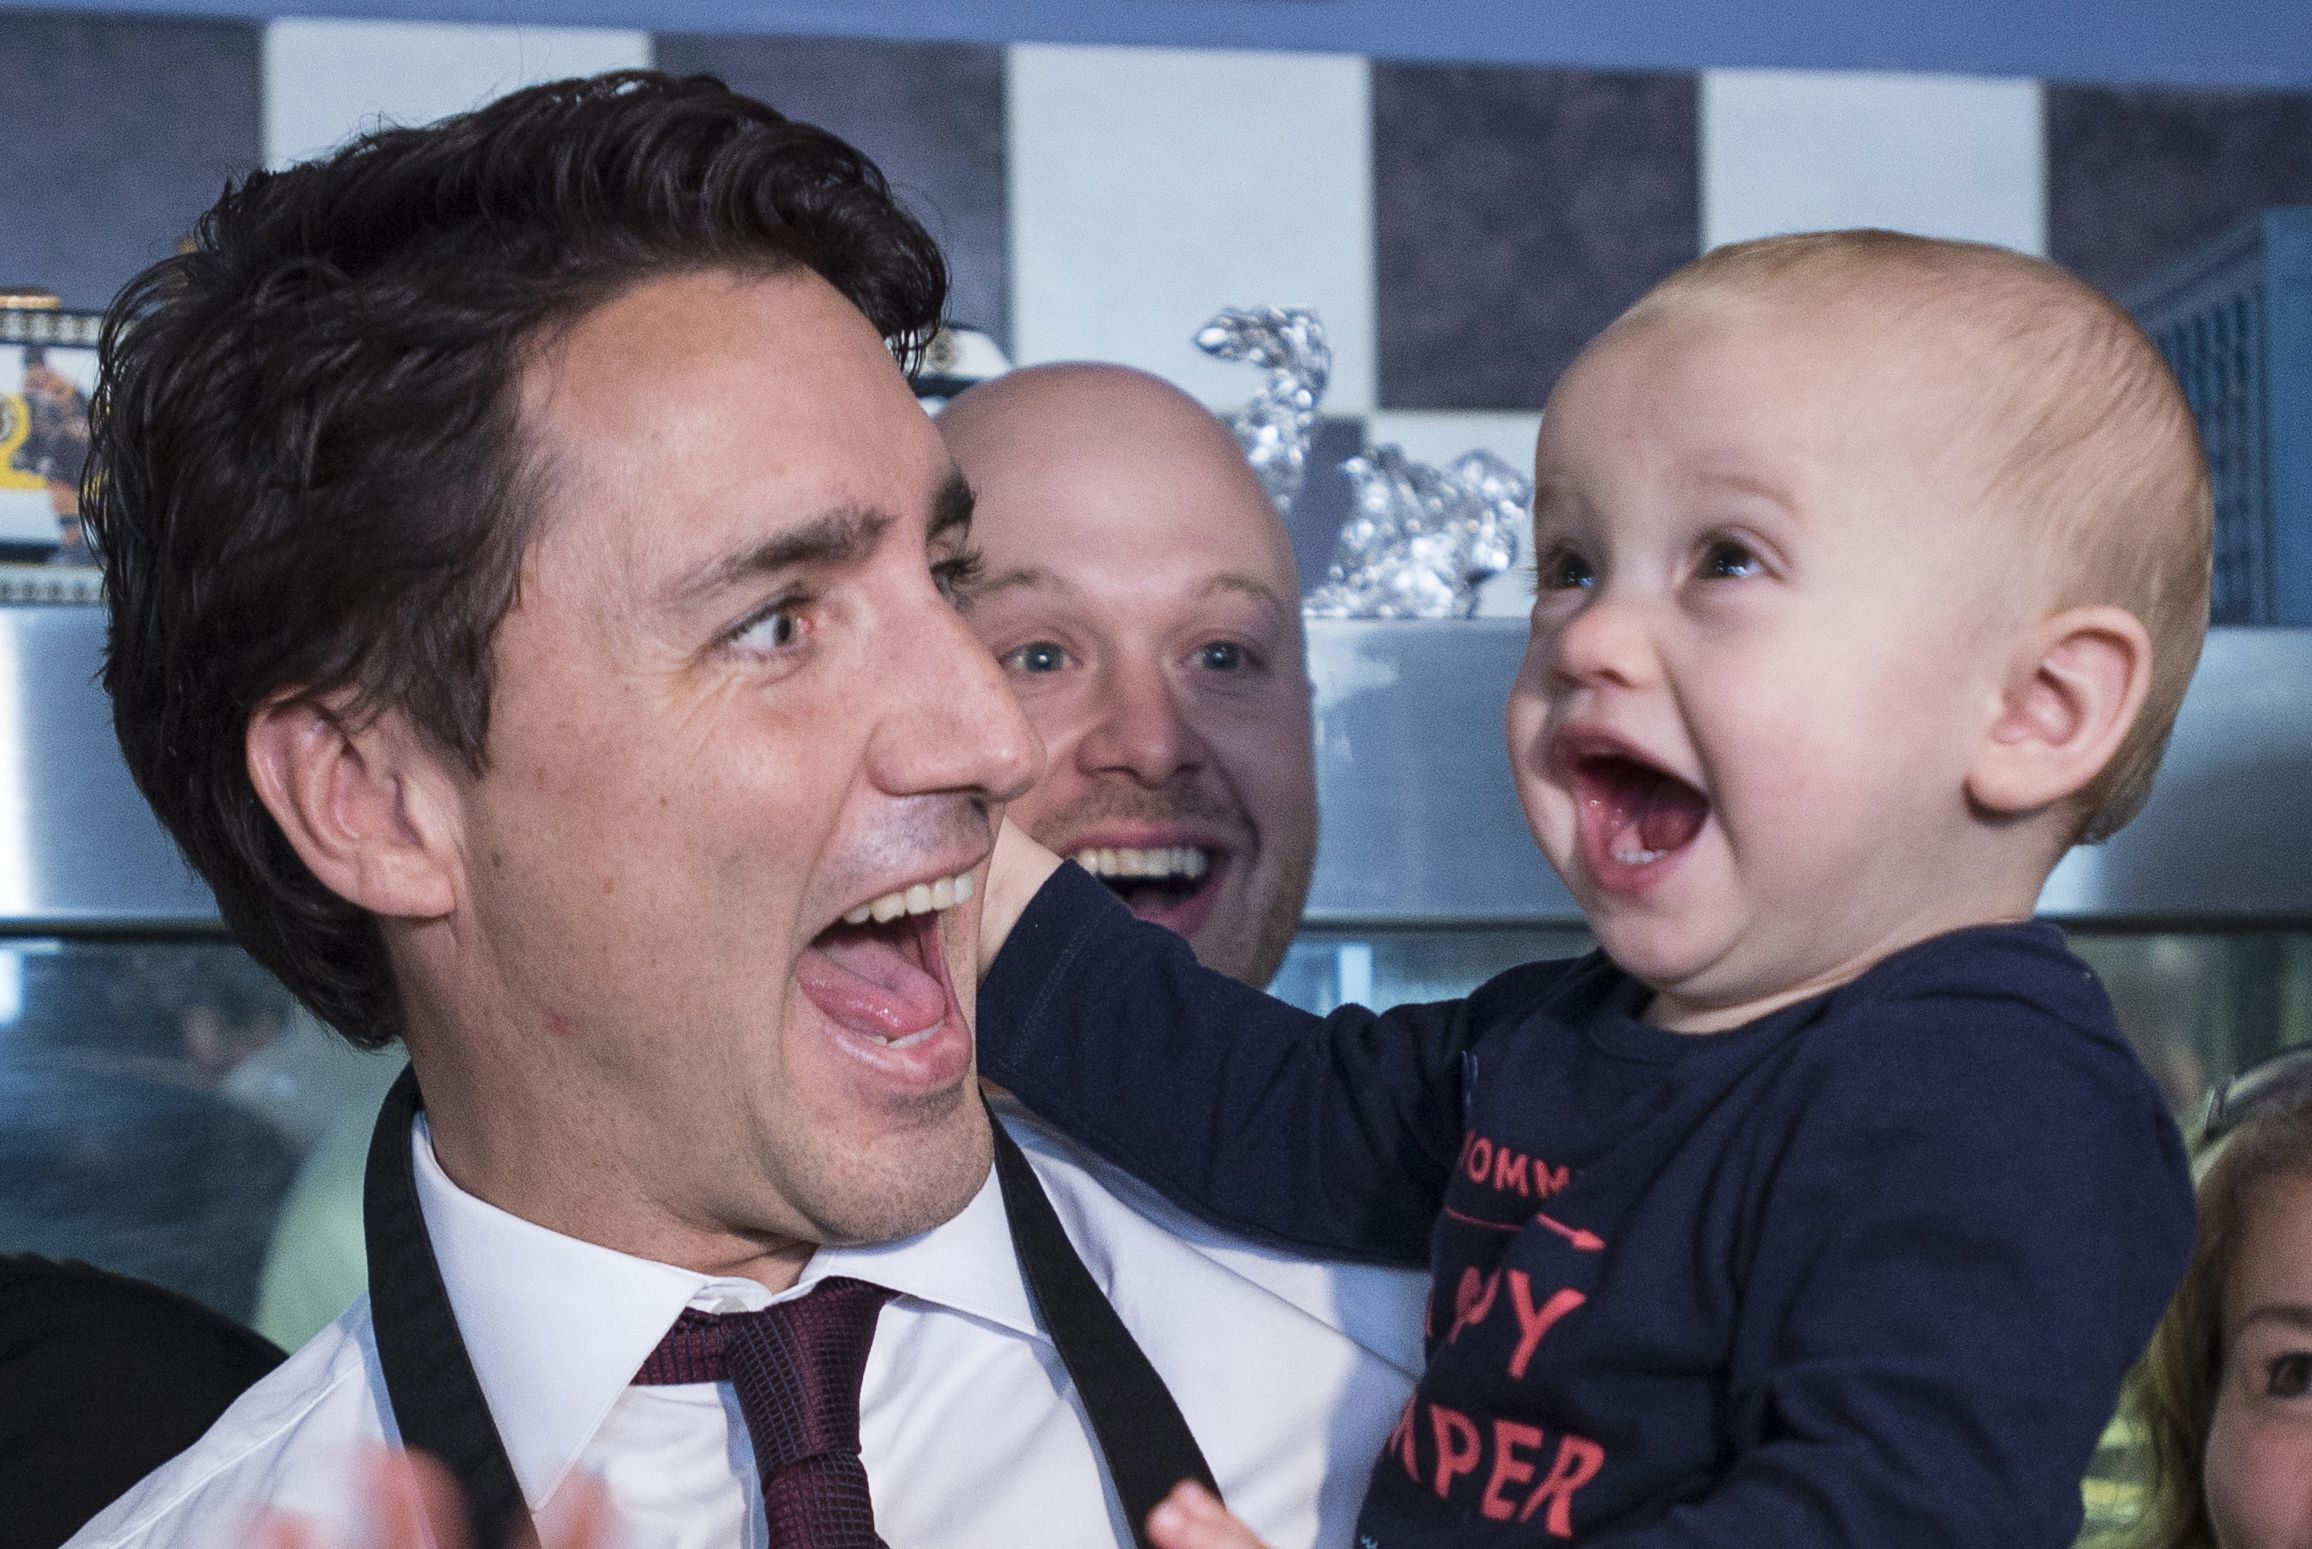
[439, 1409]
[429, 1379]
[1140, 1430]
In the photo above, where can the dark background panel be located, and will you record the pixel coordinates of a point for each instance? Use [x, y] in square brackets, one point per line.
[1314, 523]
[2137, 176]
[930, 114]
[114, 135]
[1516, 213]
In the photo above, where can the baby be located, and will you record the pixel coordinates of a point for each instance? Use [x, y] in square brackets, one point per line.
[1825, 1205]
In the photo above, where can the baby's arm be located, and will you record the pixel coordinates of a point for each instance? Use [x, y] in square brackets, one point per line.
[1963, 1246]
[1333, 1134]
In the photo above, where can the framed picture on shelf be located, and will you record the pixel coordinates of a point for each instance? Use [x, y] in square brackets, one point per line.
[47, 373]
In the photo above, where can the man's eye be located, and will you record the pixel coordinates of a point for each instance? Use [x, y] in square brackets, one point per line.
[1037, 656]
[777, 628]
[954, 576]
[1563, 571]
[1725, 560]
[1221, 656]
[2290, 1375]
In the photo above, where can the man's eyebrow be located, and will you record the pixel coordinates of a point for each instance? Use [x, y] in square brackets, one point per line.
[1019, 578]
[1250, 585]
[951, 510]
[841, 536]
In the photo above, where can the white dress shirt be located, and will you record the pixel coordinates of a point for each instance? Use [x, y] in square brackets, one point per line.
[1290, 1373]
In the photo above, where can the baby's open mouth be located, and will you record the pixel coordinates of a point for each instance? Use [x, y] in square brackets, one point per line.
[1634, 813]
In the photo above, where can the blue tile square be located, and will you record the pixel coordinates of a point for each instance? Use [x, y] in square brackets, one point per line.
[930, 114]
[1516, 213]
[119, 132]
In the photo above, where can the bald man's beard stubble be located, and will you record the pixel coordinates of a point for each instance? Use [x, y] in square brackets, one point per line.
[1265, 882]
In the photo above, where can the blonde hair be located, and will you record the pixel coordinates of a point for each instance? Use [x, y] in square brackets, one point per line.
[2086, 429]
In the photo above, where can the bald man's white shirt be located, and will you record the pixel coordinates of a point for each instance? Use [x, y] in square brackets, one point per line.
[1290, 1373]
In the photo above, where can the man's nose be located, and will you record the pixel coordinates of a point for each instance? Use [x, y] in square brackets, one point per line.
[1138, 728]
[950, 723]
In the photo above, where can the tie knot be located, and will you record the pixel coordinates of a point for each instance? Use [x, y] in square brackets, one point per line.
[795, 1366]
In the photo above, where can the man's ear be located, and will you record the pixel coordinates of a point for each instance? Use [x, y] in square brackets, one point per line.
[2072, 692]
[367, 803]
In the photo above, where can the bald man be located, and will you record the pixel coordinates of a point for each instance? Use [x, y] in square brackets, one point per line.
[1139, 591]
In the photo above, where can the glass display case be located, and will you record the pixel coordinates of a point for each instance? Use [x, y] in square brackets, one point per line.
[166, 1110]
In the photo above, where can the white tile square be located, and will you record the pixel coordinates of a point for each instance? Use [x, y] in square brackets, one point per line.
[1813, 150]
[327, 80]
[1149, 188]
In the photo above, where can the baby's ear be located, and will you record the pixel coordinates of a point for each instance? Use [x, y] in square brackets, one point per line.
[2073, 688]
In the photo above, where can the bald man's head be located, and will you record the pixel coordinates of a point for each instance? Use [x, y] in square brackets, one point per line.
[1140, 592]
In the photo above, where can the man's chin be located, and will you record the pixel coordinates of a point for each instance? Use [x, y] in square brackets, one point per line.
[904, 1183]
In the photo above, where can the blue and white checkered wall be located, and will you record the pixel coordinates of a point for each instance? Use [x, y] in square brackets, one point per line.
[1461, 229]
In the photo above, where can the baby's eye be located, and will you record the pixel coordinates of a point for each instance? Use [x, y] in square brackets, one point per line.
[2290, 1375]
[1221, 656]
[1037, 656]
[1562, 571]
[1723, 559]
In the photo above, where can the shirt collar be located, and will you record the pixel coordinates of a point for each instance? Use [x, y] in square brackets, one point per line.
[557, 1327]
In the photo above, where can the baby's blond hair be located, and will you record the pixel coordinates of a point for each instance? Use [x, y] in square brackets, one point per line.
[2083, 424]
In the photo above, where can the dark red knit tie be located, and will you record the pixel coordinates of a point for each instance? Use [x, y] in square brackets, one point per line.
[796, 1367]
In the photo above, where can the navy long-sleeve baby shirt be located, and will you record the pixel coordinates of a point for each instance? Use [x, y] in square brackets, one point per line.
[1865, 1272]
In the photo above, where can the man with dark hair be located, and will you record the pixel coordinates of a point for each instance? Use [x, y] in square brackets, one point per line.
[531, 585]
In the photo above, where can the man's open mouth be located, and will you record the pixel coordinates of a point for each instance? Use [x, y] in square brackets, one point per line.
[1153, 882]
[1634, 815]
[880, 971]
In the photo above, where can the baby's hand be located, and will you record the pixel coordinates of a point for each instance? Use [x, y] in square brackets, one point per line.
[1191, 1517]
[1019, 869]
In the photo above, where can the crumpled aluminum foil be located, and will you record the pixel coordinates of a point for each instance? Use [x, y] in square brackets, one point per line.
[1422, 539]
[1275, 428]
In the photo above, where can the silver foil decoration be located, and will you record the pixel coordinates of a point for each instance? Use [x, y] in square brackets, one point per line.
[1288, 343]
[1422, 539]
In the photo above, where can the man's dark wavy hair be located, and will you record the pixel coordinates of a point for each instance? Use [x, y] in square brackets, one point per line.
[308, 474]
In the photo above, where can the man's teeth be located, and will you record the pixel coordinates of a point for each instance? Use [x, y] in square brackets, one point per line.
[1178, 860]
[1639, 857]
[918, 898]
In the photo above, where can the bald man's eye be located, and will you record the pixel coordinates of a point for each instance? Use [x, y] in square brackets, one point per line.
[1036, 656]
[1222, 656]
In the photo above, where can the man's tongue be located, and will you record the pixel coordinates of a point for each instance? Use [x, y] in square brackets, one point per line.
[877, 979]
[1647, 809]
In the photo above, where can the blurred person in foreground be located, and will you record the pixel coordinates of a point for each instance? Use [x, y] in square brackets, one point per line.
[532, 587]
[2222, 1402]
[1139, 590]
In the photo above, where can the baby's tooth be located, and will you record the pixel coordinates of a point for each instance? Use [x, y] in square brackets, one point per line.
[1088, 859]
[889, 907]
[860, 915]
[1109, 865]
[965, 886]
[919, 898]
[943, 893]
